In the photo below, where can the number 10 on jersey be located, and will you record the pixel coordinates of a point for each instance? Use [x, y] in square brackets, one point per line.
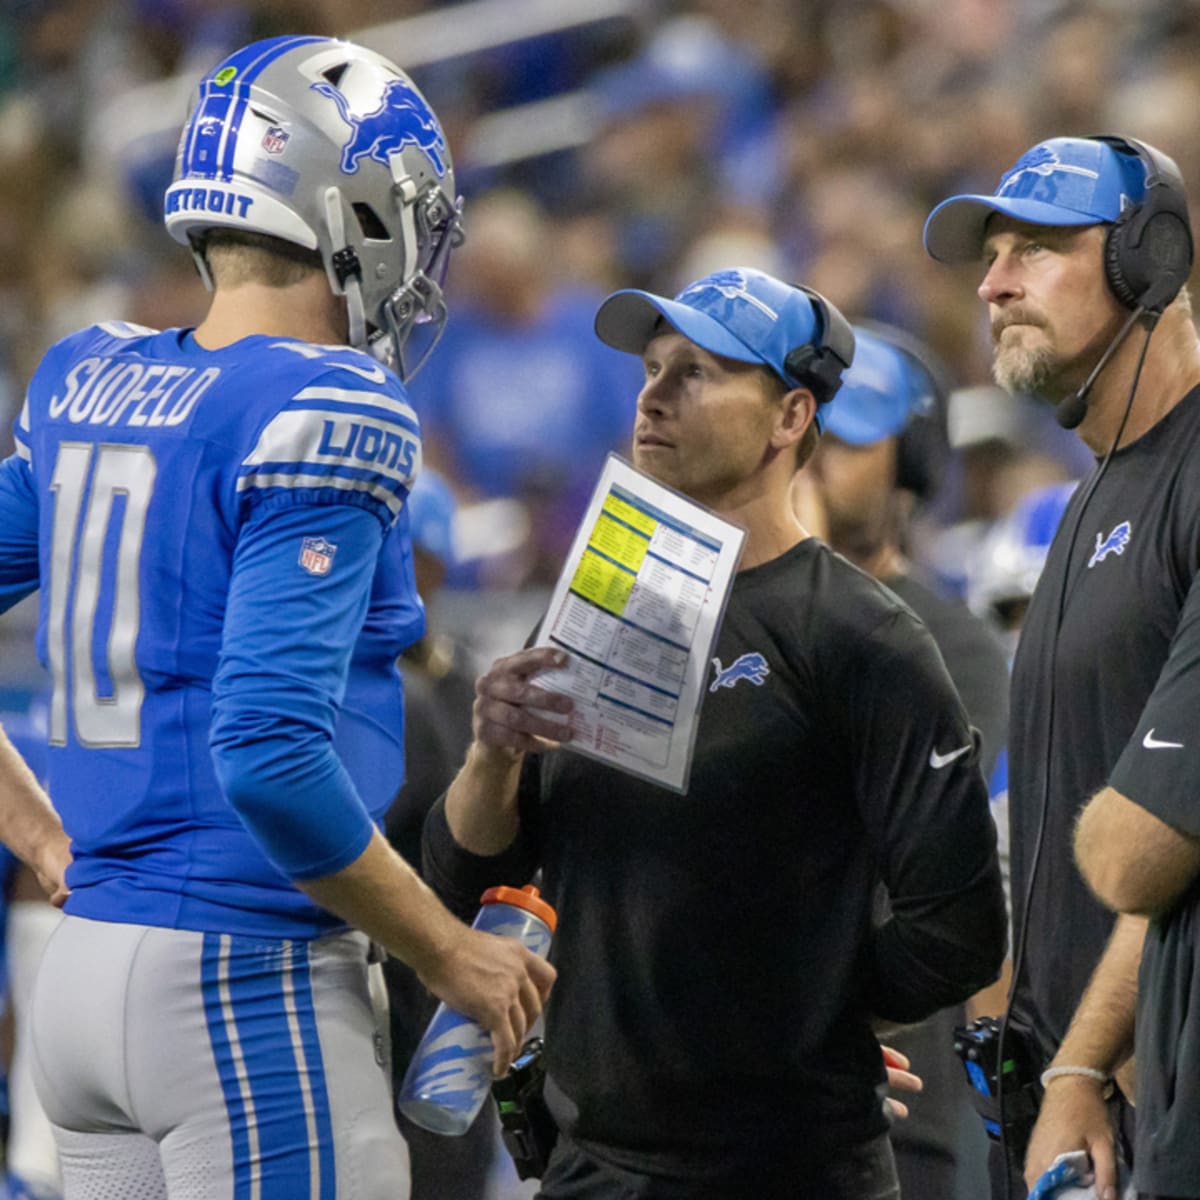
[101, 494]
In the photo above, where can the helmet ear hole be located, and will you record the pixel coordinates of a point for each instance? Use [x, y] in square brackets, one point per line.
[370, 224]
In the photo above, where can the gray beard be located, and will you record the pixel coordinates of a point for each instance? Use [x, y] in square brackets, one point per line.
[1017, 369]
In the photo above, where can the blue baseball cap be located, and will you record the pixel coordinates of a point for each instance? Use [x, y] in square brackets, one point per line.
[880, 393]
[738, 313]
[1063, 181]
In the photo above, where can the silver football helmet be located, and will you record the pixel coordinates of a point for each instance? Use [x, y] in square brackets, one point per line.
[328, 145]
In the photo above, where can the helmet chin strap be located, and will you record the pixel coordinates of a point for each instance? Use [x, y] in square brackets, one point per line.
[345, 281]
[197, 247]
[405, 188]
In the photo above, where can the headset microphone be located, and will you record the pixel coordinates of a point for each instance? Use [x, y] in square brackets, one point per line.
[1074, 408]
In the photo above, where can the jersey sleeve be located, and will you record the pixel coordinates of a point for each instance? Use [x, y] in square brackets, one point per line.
[299, 591]
[347, 436]
[1159, 768]
[924, 802]
[18, 521]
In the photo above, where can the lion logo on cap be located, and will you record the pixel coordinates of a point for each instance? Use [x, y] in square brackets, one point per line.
[732, 285]
[1040, 161]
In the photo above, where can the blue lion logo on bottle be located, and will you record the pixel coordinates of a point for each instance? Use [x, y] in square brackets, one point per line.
[402, 119]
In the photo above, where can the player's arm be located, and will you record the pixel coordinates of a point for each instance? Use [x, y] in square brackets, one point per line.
[289, 634]
[18, 530]
[494, 979]
[924, 803]
[29, 826]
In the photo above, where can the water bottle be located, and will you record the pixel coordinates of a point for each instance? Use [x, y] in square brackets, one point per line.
[451, 1071]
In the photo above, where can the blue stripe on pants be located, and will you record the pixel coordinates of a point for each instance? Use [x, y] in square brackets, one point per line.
[262, 1023]
[311, 1049]
[214, 1002]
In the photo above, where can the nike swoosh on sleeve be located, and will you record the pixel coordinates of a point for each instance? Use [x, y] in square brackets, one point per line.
[937, 761]
[1153, 743]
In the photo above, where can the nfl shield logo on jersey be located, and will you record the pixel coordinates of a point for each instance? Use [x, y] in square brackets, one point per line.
[316, 555]
[275, 139]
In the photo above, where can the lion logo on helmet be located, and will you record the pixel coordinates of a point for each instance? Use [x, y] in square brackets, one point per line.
[402, 119]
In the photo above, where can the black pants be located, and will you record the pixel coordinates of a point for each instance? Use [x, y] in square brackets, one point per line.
[864, 1172]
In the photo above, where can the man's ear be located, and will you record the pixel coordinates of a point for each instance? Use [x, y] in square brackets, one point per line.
[797, 411]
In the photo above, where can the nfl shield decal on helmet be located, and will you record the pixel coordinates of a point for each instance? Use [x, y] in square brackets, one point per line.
[275, 139]
[316, 555]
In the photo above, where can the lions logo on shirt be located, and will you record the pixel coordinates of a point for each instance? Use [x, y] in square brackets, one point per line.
[748, 666]
[1114, 543]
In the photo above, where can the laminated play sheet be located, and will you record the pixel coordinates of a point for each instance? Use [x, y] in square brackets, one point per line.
[638, 606]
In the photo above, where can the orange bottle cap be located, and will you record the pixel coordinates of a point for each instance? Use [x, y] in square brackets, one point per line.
[526, 898]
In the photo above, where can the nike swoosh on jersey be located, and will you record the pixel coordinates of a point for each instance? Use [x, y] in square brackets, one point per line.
[937, 761]
[373, 374]
[1153, 743]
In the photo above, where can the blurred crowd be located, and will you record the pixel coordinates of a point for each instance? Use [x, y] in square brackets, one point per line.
[602, 145]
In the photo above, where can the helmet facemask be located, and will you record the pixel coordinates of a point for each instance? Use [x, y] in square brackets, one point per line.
[418, 307]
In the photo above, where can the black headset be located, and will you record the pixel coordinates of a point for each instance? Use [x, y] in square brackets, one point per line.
[923, 445]
[819, 363]
[1148, 253]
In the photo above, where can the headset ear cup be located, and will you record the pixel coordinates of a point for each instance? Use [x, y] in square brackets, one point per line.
[799, 361]
[1167, 248]
[1115, 261]
[922, 452]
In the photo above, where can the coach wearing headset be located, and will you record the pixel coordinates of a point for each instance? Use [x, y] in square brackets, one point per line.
[718, 967]
[1087, 246]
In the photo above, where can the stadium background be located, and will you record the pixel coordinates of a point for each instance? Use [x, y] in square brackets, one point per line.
[599, 143]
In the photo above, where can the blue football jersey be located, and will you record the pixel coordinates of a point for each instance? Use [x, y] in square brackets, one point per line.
[226, 581]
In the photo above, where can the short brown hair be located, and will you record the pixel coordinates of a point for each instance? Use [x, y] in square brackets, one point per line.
[236, 256]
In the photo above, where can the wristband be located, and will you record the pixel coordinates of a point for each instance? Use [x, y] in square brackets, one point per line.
[1087, 1072]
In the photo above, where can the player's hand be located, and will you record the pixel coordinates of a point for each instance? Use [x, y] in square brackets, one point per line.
[51, 869]
[515, 716]
[1074, 1116]
[499, 983]
[900, 1077]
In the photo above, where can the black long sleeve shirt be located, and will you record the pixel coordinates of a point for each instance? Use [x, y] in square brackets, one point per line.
[718, 965]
